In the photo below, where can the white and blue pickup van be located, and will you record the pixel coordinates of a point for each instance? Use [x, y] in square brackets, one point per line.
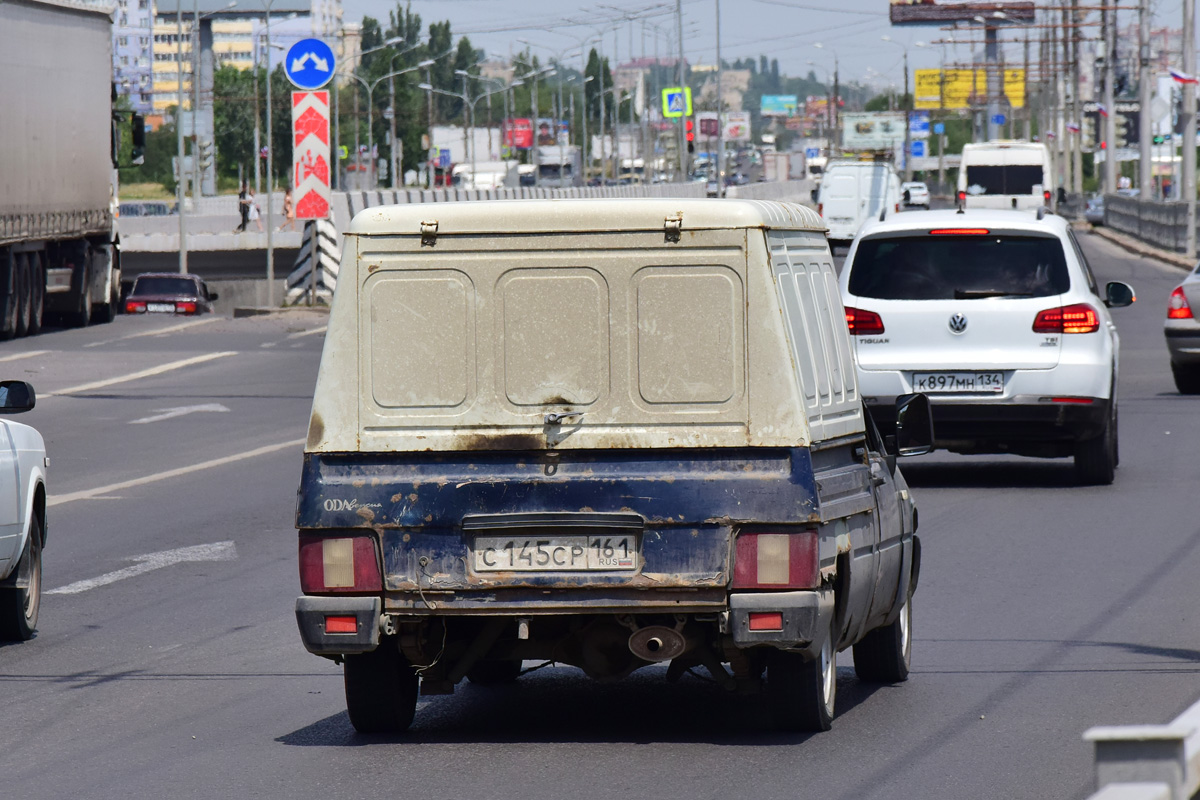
[603, 433]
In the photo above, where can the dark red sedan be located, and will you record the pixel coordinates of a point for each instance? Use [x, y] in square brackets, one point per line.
[169, 293]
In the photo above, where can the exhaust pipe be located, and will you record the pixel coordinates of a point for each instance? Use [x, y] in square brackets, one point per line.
[656, 643]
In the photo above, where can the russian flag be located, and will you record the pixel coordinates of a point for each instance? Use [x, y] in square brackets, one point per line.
[1073, 127]
[1103, 111]
[1183, 77]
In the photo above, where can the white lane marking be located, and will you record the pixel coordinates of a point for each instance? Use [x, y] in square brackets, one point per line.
[217, 551]
[298, 334]
[101, 491]
[145, 373]
[180, 411]
[156, 331]
[30, 354]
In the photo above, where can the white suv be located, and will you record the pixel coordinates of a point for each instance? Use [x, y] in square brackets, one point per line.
[995, 315]
[22, 515]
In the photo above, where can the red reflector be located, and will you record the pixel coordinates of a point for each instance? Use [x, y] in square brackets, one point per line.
[1177, 305]
[341, 625]
[1078, 318]
[862, 323]
[763, 620]
[959, 232]
[1083, 401]
[185, 308]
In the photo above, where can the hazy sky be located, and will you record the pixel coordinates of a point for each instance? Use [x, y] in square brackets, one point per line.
[784, 29]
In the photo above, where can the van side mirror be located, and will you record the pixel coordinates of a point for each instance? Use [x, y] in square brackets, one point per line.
[137, 133]
[914, 425]
[1118, 295]
[16, 396]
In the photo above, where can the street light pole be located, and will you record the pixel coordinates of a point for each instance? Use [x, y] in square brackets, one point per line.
[270, 169]
[1189, 127]
[179, 139]
[683, 158]
[720, 122]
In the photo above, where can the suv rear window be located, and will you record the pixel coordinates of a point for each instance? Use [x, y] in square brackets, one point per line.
[946, 267]
[1006, 179]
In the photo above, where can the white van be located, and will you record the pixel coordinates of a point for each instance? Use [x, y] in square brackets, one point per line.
[1005, 174]
[607, 433]
[852, 192]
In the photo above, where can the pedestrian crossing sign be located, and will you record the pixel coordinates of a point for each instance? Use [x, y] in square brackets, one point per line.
[677, 101]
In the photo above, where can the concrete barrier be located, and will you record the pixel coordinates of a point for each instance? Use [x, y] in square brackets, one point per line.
[1148, 762]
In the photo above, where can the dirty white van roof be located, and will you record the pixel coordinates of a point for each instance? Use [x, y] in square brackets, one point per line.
[583, 216]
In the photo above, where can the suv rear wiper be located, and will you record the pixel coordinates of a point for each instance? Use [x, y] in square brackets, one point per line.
[977, 294]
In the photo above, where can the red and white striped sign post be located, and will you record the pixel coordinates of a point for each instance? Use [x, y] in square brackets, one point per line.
[310, 154]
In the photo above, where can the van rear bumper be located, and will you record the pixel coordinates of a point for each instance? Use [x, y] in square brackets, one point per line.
[311, 614]
[806, 618]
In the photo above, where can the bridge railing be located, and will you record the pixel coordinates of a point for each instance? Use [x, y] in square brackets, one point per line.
[1157, 223]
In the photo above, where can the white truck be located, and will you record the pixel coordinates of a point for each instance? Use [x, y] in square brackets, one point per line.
[59, 245]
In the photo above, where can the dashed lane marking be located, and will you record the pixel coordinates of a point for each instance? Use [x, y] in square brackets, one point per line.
[145, 373]
[30, 354]
[156, 332]
[217, 551]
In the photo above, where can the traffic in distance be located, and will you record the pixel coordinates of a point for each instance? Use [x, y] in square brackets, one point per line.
[717, 427]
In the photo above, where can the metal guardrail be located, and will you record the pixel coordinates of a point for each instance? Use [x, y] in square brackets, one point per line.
[1158, 223]
[1148, 762]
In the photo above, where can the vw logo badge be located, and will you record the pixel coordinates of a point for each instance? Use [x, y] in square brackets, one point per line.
[958, 323]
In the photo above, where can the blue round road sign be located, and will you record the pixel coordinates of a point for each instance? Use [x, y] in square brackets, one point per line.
[309, 64]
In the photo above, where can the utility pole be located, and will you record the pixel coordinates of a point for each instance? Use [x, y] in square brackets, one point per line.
[270, 174]
[1189, 125]
[1028, 103]
[683, 157]
[908, 170]
[395, 144]
[1145, 170]
[1067, 100]
[1110, 75]
[179, 173]
[1076, 111]
[720, 122]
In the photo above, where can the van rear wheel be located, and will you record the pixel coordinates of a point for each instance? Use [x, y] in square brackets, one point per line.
[803, 692]
[381, 690]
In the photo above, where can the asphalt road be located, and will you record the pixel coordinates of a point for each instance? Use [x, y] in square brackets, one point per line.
[1044, 608]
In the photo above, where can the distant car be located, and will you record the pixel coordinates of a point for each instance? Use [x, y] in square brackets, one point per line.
[915, 193]
[996, 316]
[1182, 331]
[169, 293]
[22, 515]
[1094, 212]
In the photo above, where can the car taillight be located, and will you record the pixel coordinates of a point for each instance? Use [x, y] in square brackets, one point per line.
[1177, 305]
[862, 323]
[1078, 318]
[897, 208]
[776, 561]
[135, 308]
[185, 308]
[342, 564]
[821, 208]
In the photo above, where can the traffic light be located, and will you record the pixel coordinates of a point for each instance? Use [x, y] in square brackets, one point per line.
[1128, 134]
[206, 153]
[691, 135]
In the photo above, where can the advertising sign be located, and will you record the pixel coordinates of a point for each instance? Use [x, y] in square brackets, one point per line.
[875, 130]
[779, 105]
[737, 126]
[518, 133]
[545, 132]
[929, 12]
[310, 154]
[962, 88]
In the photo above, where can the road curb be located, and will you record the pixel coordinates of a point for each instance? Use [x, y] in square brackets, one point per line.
[1143, 249]
[262, 311]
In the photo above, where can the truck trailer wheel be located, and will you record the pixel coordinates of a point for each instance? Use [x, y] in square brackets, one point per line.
[37, 292]
[885, 654]
[802, 693]
[8, 297]
[19, 607]
[381, 690]
[82, 316]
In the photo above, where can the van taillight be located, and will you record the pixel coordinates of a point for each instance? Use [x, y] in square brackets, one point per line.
[1177, 305]
[776, 561]
[339, 564]
[1078, 318]
[821, 209]
[1046, 196]
[962, 196]
[861, 323]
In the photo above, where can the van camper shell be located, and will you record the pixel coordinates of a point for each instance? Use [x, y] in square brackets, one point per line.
[669, 377]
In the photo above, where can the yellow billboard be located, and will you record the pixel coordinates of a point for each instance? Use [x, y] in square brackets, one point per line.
[962, 88]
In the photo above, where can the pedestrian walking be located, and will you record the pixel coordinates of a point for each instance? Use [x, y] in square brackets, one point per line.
[243, 207]
[289, 211]
[253, 211]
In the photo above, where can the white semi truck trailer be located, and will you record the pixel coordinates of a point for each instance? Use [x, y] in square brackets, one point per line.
[59, 245]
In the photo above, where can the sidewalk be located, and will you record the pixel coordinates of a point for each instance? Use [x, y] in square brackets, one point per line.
[1142, 249]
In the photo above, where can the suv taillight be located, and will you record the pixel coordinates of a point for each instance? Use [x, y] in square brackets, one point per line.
[776, 561]
[1177, 305]
[339, 564]
[862, 323]
[1078, 318]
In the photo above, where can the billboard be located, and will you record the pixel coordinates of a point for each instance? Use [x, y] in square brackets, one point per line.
[517, 133]
[875, 130]
[737, 126]
[545, 132]
[779, 105]
[963, 88]
[929, 12]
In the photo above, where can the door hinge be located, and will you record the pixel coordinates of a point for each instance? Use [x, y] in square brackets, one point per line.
[672, 227]
[429, 233]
